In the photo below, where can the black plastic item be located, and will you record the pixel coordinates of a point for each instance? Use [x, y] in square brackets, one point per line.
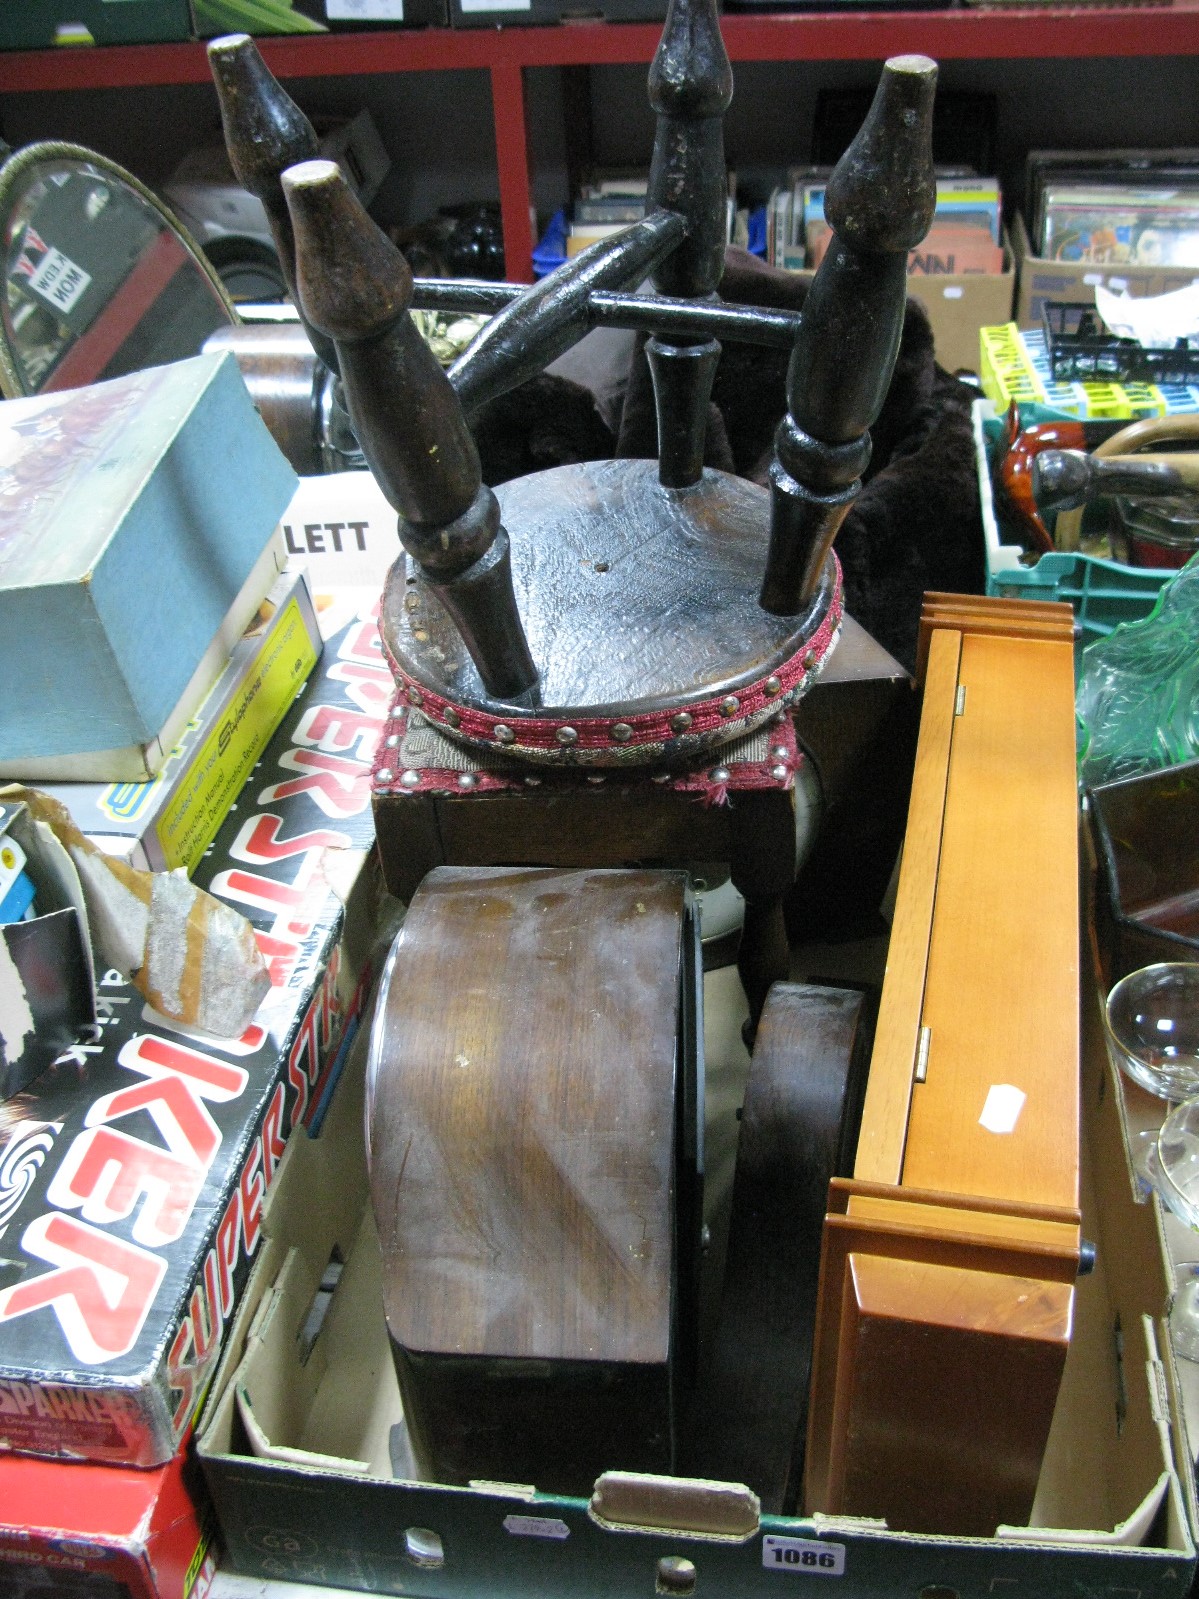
[1146, 833]
[964, 123]
[475, 246]
[249, 270]
[1082, 350]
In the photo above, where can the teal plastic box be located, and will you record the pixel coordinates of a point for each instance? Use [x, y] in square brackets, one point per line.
[35, 24]
[133, 513]
[1103, 593]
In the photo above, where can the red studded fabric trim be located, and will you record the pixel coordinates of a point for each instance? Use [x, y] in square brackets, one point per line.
[712, 780]
[547, 738]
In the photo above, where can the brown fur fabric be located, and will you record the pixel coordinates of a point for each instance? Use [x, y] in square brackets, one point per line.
[548, 421]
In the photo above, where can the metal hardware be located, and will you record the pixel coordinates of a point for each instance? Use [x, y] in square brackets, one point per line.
[923, 1044]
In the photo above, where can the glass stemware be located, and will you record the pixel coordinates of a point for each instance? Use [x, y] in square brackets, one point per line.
[1152, 1024]
[1152, 1018]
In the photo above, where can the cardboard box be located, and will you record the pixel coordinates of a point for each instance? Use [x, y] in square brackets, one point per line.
[341, 530]
[170, 821]
[141, 1157]
[120, 568]
[298, 1442]
[959, 304]
[32, 24]
[72, 1529]
[140, 762]
[75, 1527]
[1039, 280]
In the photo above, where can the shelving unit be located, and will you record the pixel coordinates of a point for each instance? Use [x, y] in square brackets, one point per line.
[967, 34]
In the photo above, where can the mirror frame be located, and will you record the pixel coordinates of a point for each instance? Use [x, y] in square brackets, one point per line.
[16, 166]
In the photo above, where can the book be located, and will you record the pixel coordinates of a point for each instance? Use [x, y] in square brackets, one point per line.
[965, 236]
[948, 248]
[581, 237]
[137, 763]
[1101, 167]
[780, 224]
[978, 197]
[132, 513]
[611, 209]
[170, 821]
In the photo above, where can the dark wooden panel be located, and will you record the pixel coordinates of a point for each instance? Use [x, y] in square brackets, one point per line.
[798, 1126]
[522, 1129]
[620, 824]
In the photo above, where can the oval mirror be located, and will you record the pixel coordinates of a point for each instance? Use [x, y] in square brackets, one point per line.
[100, 279]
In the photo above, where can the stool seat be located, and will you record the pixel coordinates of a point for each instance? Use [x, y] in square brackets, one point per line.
[640, 605]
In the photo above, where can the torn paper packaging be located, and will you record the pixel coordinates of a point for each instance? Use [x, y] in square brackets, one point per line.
[1155, 321]
[194, 958]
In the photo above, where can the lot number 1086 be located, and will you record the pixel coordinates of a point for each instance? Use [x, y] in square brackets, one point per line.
[812, 1556]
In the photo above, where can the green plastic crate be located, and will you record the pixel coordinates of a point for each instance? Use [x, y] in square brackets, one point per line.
[1103, 593]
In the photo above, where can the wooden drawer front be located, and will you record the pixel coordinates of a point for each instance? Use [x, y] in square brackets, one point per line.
[997, 1112]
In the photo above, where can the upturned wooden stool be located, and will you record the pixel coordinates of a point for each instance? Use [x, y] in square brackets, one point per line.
[624, 621]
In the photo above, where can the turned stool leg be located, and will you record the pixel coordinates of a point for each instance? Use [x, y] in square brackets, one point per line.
[690, 86]
[762, 868]
[356, 289]
[880, 202]
[265, 132]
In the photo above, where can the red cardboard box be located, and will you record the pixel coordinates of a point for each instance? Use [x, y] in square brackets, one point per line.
[69, 1529]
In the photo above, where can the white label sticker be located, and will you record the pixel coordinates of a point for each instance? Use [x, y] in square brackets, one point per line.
[1002, 1109]
[59, 280]
[810, 1555]
[364, 10]
[469, 6]
[536, 1527]
[953, 291]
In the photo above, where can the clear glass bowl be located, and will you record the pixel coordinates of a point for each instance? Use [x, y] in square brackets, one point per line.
[1152, 1018]
[1176, 1159]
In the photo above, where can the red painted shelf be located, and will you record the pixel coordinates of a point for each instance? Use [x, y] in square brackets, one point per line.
[970, 33]
[967, 33]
